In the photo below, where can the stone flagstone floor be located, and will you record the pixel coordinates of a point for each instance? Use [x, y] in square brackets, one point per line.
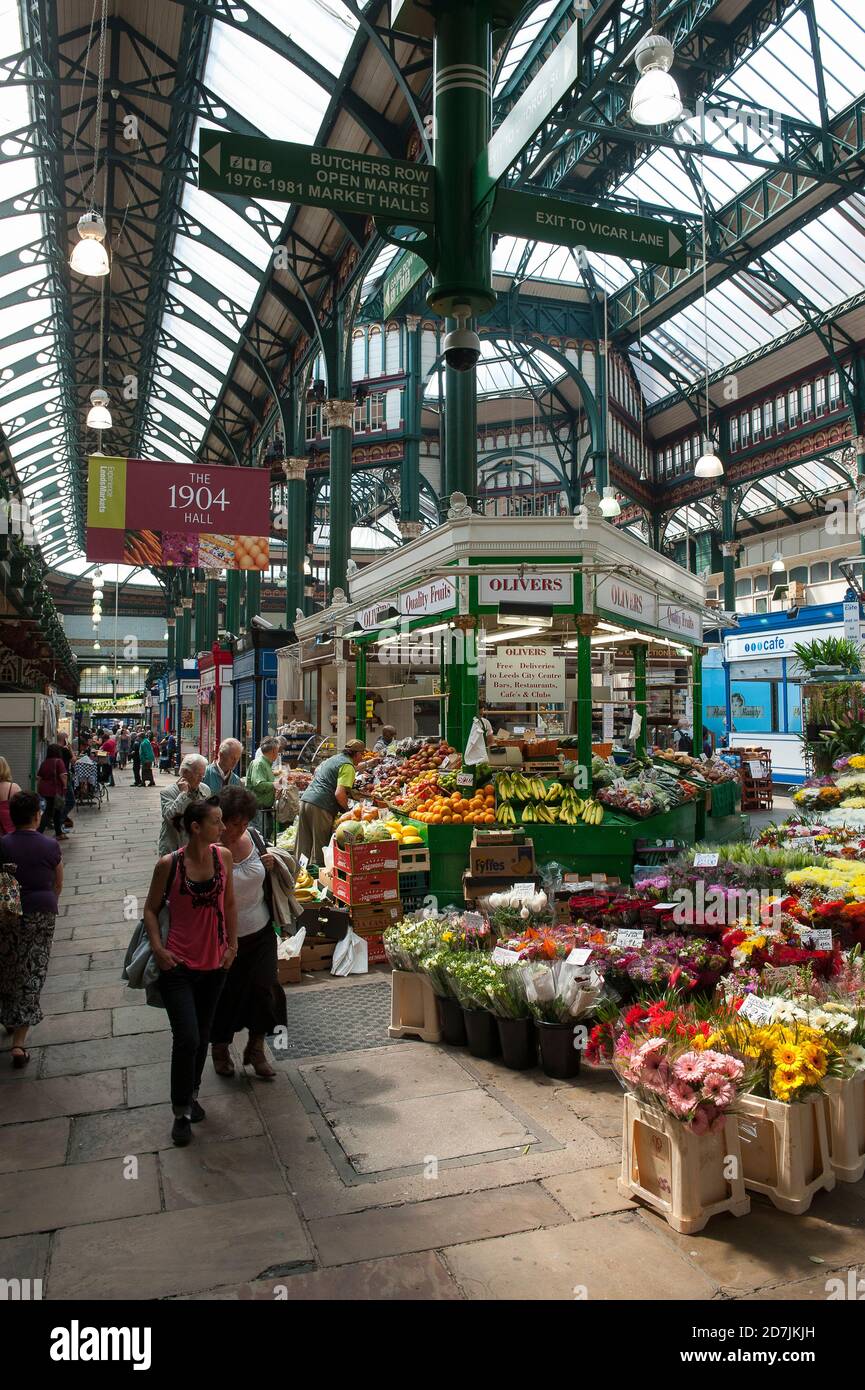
[405, 1171]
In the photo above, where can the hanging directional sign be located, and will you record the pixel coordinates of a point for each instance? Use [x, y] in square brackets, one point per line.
[340, 180]
[598, 229]
[543, 94]
[400, 279]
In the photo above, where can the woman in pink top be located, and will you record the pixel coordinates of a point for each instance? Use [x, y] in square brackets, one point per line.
[8, 788]
[194, 885]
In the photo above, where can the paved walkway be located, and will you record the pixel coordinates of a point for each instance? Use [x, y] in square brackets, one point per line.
[371, 1169]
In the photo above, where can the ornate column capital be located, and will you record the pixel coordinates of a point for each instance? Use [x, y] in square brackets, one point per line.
[212, 576]
[592, 503]
[859, 443]
[410, 530]
[294, 469]
[730, 549]
[170, 623]
[459, 508]
[412, 321]
[199, 586]
[338, 415]
[586, 623]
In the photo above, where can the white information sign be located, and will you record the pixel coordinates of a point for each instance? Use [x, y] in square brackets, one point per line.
[579, 955]
[684, 622]
[628, 599]
[757, 1010]
[437, 596]
[516, 674]
[553, 586]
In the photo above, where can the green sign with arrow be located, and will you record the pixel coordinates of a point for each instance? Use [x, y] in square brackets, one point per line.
[339, 180]
[400, 279]
[612, 233]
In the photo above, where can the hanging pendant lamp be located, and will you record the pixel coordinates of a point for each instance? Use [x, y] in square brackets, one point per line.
[89, 256]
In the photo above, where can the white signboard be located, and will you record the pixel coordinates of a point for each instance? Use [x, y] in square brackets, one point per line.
[437, 596]
[776, 643]
[371, 617]
[622, 596]
[516, 674]
[684, 622]
[553, 586]
[851, 621]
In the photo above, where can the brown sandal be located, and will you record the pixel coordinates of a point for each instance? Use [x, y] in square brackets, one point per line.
[222, 1063]
[253, 1056]
[21, 1059]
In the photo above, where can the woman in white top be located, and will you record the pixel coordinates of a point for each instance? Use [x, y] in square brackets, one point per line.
[253, 997]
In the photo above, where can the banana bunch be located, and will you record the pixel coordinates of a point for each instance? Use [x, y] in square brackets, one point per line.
[539, 813]
[555, 791]
[592, 812]
[571, 809]
[303, 879]
[304, 887]
[505, 814]
[514, 786]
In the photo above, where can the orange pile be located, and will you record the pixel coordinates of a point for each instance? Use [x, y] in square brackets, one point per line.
[477, 809]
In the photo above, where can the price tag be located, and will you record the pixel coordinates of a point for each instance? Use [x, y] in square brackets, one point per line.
[629, 936]
[524, 890]
[303, 860]
[579, 955]
[756, 770]
[465, 779]
[705, 861]
[817, 940]
[502, 956]
[757, 1010]
[473, 920]
[580, 887]
[664, 907]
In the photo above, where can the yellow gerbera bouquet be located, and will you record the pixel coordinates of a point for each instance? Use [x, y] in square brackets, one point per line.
[788, 1062]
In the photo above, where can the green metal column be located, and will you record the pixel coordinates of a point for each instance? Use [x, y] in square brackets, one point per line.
[186, 619]
[211, 609]
[584, 707]
[729, 548]
[360, 691]
[200, 600]
[232, 601]
[339, 416]
[638, 651]
[295, 535]
[253, 596]
[461, 432]
[169, 659]
[462, 63]
[409, 483]
[697, 731]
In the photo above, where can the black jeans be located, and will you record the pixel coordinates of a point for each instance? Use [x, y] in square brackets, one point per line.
[190, 998]
[136, 771]
[147, 775]
[55, 809]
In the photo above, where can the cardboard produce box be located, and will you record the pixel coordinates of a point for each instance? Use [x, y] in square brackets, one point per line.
[329, 922]
[367, 859]
[316, 954]
[516, 835]
[366, 888]
[474, 888]
[288, 971]
[368, 919]
[502, 861]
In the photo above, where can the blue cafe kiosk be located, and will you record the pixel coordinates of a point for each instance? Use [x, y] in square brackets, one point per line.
[254, 687]
[751, 682]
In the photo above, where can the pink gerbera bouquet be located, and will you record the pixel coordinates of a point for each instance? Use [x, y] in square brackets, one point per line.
[697, 1086]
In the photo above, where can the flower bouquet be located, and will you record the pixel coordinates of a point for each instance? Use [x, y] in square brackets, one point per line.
[474, 974]
[679, 1133]
[407, 941]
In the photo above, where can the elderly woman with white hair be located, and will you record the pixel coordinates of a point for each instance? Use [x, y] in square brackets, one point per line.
[186, 791]
[220, 774]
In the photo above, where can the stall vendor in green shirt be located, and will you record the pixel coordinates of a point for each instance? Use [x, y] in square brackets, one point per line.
[325, 798]
[260, 781]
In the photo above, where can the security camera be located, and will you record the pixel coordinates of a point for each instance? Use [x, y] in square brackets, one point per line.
[462, 347]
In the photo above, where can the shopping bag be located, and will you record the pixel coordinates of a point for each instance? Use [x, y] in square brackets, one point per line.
[476, 748]
[351, 956]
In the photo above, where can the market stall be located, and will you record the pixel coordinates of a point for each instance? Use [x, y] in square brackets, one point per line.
[254, 694]
[215, 700]
[516, 626]
[181, 706]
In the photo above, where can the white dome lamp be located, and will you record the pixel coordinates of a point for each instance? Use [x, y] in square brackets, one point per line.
[89, 256]
[99, 416]
[610, 504]
[778, 566]
[656, 99]
[708, 465]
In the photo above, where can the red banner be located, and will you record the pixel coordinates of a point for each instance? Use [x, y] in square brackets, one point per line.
[140, 512]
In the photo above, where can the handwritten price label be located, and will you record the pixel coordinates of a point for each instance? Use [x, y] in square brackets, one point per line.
[502, 956]
[579, 955]
[629, 936]
[705, 861]
[817, 940]
[303, 860]
[757, 1010]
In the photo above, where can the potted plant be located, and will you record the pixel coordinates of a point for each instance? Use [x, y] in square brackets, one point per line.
[437, 966]
[473, 974]
[517, 1035]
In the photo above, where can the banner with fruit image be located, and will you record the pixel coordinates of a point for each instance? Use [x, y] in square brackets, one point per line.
[190, 516]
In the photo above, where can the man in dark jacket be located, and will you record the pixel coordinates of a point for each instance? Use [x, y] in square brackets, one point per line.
[135, 755]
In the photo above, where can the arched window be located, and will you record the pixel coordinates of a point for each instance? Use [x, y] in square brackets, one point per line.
[392, 352]
[376, 348]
